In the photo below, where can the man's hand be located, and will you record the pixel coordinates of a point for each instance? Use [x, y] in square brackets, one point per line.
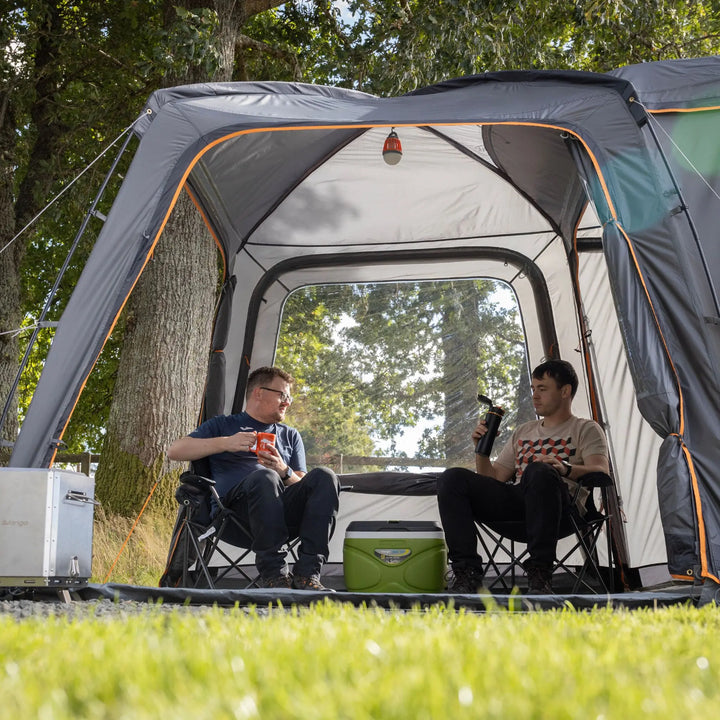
[479, 431]
[240, 442]
[483, 466]
[592, 463]
[272, 460]
[551, 460]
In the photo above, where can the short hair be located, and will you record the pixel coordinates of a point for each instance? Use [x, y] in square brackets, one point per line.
[561, 371]
[265, 375]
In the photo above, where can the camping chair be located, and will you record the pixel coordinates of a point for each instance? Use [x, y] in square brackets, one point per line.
[499, 538]
[198, 537]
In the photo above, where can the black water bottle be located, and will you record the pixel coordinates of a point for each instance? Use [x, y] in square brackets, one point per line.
[493, 417]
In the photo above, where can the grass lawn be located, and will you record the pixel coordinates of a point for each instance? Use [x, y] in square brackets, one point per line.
[336, 661]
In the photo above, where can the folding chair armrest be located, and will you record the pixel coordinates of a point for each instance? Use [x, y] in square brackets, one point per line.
[189, 494]
[200, 481]
[589, 481]
[595, 480]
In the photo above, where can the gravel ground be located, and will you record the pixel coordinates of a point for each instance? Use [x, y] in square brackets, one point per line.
[20, 609]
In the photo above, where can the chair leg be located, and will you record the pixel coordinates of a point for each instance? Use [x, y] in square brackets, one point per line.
[213, 549]
[603, 524]
[192, 554]
[587, 535]
[608, 539]
[500, 543]
[200, 546]
[292, 548]
[587, 540]
[489, 556]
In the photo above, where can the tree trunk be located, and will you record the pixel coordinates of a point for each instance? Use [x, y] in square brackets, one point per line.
[10, 315]
[163, 363]
[460, 332]
[162, 366]
[524, 403]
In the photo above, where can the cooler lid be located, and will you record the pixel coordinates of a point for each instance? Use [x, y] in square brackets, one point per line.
[394, 528]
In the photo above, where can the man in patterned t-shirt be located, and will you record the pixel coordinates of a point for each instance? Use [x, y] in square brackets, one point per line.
[531, 480]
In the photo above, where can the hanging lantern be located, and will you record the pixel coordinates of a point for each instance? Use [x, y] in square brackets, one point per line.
[392, 149]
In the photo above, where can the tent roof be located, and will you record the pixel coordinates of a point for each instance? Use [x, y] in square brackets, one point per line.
[686, 83]
[236, 139]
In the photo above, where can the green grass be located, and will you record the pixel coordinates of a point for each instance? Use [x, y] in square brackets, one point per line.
[140, 560]
[335, 661]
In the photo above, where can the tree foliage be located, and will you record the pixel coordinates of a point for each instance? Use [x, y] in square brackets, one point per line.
[330, 407]
[75, 74]
[380, 359]
[66, 88]
[391, 47]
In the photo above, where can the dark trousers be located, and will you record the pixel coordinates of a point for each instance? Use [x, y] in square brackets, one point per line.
[275, 514]
[536, 511]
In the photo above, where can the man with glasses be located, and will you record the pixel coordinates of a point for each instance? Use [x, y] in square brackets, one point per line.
[269, 488]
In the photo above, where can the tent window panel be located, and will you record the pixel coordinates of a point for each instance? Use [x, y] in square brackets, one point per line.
[394, 369]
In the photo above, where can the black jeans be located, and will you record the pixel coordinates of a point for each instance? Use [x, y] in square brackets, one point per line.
[538, 506]
[274, 514]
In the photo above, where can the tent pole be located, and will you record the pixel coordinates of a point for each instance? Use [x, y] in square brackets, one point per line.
[684, 208]
[48, 302]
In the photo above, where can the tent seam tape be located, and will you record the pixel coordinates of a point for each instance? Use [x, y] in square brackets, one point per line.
[698, 504]
[195, 201]
[291, 128]
[682, 110]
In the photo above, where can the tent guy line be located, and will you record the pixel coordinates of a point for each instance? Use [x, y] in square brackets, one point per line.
[69, 185]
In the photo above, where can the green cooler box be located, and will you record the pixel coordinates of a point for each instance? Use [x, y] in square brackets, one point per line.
[394, 556]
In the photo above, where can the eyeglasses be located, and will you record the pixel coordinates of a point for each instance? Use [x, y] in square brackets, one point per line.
[284, 397]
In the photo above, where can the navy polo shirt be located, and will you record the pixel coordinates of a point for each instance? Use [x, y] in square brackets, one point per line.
[229, 468]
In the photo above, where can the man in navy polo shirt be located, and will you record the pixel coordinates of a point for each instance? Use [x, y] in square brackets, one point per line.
[270, 489]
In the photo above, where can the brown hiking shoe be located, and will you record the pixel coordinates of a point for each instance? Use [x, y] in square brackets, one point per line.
[309, 583]
[276, 581]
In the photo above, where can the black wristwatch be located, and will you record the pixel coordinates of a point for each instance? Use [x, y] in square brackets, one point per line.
[288, 473]
[568, 468]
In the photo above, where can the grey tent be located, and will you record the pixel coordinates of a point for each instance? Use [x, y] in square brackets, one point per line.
[494, 182]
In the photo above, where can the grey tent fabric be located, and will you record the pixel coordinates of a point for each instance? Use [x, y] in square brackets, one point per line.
[683, 99]
[497, 171]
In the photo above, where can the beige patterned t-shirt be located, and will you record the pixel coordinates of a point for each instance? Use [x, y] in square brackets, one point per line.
[573, 441]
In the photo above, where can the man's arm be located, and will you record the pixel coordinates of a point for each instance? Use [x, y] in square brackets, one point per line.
[193, 448]
[272, 459]
[594, 452]
[593, 463]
